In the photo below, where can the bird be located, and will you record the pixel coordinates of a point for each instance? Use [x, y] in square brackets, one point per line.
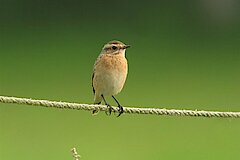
[110, 73]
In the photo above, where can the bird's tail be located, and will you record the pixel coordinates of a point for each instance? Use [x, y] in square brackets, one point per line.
[97, 100]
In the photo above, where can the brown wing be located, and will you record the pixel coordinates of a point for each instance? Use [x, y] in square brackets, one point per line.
[92, 83]
[96, 62]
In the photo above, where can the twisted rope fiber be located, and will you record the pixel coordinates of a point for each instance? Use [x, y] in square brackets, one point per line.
[75, 155]
[129, 110]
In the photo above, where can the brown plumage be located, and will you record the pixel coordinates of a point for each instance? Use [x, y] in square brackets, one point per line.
[110, 72]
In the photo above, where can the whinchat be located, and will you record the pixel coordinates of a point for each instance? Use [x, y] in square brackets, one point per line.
[109, 73]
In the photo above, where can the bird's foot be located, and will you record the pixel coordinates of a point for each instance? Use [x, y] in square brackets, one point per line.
[95, 112]
[120, 110]
[109, 110]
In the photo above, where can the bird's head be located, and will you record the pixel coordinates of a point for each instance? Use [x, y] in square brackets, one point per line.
[115, 48]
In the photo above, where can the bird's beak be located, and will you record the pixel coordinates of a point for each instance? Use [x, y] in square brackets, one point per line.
[126, 46]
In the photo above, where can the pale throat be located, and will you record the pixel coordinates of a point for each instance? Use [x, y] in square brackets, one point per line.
[122, 52]
[119, 52]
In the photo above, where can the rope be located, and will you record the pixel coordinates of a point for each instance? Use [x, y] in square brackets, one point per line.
[75, 155]
[128, 110]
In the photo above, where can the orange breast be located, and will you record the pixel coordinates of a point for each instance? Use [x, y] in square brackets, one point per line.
[110, 74]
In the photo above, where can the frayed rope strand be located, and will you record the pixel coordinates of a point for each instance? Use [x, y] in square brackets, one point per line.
[75, 155]
[129, 110]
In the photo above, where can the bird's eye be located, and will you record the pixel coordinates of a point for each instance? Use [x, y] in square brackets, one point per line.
[114, 47]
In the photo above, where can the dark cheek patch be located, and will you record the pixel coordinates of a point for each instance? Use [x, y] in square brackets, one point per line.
[107, 49]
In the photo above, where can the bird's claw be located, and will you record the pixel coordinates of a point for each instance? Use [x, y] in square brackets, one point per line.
[120, 110]
[109, 110]
[95, 112]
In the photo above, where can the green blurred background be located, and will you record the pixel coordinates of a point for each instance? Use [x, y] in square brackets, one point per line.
[184, 55]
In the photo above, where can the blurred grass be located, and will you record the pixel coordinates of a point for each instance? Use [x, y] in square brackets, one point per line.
[177, 60]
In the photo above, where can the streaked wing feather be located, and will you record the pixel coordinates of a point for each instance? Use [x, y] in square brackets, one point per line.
[92, 83]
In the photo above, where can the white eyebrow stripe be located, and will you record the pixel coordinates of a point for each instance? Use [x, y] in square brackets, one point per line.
[109, 46]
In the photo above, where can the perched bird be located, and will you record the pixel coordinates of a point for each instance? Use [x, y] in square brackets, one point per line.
[109, 73]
